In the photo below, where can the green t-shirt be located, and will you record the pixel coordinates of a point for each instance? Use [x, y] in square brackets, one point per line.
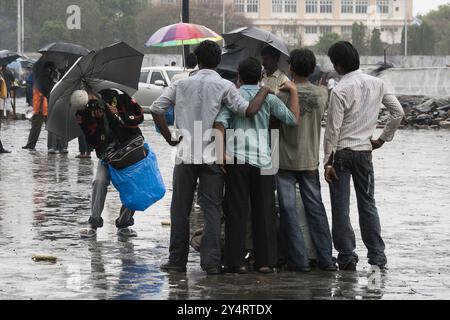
[299, 145]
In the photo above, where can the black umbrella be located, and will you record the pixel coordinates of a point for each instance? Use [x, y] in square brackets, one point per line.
[60, 56]
[6, 57]
[249, 42]
[117, 66]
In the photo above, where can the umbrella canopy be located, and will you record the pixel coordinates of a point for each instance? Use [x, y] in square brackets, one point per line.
[248, 42]
[117, 66]
[64, 47]
[180, 34]
[6, 57]
[62, 56]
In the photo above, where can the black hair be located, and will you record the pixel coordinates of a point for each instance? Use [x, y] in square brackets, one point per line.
[303, 62]
[191, 61]
[271, 52]
[49, 64]
[250, 71]
[344, 54]
[208, 54]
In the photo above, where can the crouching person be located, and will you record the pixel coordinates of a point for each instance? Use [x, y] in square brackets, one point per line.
[112, 117]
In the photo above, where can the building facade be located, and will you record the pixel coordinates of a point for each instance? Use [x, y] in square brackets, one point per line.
[302, 22]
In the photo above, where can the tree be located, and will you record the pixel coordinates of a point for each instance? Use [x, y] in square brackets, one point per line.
[376, 46]
[421, 40]
[439, 21]
[52, 31]
[326, 40]
[359, 32]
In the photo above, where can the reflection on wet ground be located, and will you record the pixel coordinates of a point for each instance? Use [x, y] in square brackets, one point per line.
[44, 201]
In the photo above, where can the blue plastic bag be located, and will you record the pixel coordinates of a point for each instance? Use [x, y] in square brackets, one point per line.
[170, 118]
[140, 185]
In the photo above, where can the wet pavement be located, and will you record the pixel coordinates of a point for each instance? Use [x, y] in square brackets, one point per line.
[44, 201]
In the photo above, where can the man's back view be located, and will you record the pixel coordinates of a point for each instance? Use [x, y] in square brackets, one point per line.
[353, 112]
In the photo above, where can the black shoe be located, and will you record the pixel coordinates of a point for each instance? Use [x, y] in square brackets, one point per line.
[26, 147]
[172, 267]
[214, 271]
[382, 266]
[239, 270]
[298, 269]
[350, 265]
[331, 267]
[4, 151]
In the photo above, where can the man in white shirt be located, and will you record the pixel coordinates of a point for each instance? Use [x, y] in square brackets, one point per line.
[355, 104]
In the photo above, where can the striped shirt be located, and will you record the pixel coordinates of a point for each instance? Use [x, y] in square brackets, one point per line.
[355, 104]
[275, 80]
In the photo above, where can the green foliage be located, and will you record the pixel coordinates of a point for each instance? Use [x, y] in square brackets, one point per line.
[439, 22]
[376, 46]
[421, 40]
[359, 37]
[103, 22]
[326, 41]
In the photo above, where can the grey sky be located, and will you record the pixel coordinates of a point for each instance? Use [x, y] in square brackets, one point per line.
[424, 6]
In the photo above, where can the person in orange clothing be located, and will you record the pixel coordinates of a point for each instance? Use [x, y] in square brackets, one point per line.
[40, 105]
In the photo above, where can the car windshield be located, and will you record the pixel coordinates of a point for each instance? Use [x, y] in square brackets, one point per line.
[172, 73]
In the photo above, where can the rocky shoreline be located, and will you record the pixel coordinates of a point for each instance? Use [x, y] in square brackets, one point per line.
[422, 113]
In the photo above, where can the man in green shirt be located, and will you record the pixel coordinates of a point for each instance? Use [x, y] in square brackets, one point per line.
[299, 163]
[246, 184]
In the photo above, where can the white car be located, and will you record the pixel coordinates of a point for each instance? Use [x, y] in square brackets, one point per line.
[152, 83]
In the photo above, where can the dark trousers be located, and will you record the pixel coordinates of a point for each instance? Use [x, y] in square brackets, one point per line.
[245, 187]
[36, 126]
[210, 191]
[357, 165]
[82, 145]
[56, 143]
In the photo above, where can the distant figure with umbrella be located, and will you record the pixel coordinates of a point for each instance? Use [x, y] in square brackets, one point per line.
[56, 58]
[9, 79]
[273, 77]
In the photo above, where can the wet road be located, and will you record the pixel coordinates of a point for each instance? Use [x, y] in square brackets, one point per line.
[44, 201]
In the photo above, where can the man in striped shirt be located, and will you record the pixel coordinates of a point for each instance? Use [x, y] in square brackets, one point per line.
[355, 104]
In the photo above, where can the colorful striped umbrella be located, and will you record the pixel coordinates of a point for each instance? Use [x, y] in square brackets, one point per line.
[181, 34]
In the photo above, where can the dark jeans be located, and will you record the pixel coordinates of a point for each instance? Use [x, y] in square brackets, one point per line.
[210, 191]
[36, 126]
[56, 143]
[357, 165]
[245, 187]
[82, 145]
[291, 234]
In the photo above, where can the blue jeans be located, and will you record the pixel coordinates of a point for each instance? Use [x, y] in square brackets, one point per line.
[291, 233]
[357, 165]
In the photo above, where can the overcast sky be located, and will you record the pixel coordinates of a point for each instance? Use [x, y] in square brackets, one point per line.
[423, 6]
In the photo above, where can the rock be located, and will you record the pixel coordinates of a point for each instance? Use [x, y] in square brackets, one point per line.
[435, 126]
[419, 126]
[427, 106]
[444, 108]
[445, 124]
[45, 258]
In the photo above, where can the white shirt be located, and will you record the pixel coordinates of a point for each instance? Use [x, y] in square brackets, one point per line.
[355, 104]
[198, 100]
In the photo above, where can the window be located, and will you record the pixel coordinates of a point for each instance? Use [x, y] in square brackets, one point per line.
[361, 6]
[252, 6]
[277, 6]
[346, 30]
[326, 29]
[290, 6]
[382, 6]
[326, 6]
[144, 76]
[156, 75]
[249, 6]
[284, 6]
[311, 6]
[290, 29]
[239, 5]
[347, 6]
[171, 74]
[310, 29]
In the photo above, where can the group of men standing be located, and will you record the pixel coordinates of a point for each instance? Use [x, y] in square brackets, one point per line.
[238, 179]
